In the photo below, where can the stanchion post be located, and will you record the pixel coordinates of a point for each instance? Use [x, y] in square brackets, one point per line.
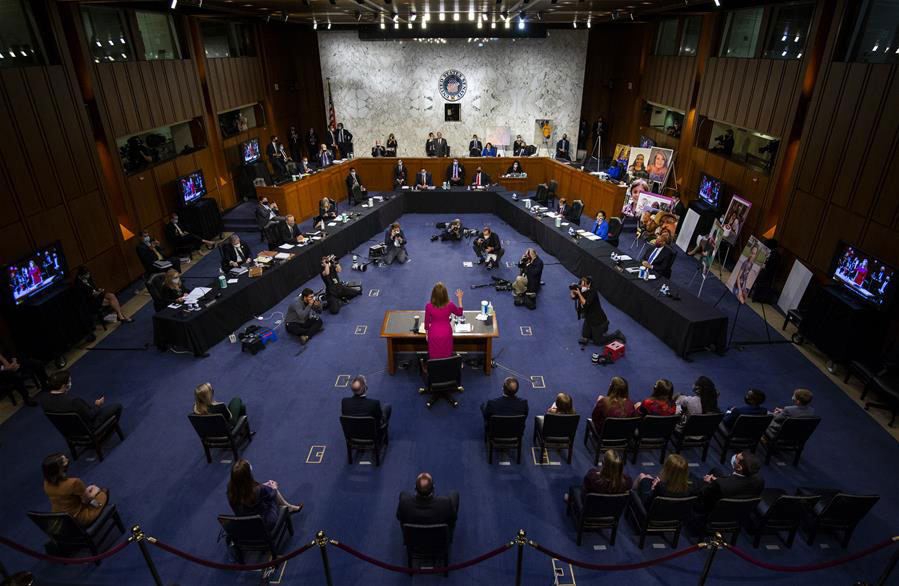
[713, 545]
[520, 540]
[138, 536]
[891, 565]
[322, 542]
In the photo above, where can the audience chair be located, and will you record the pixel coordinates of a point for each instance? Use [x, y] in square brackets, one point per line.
[594, 512]
[696, 432]
[154, 288]
[614, 231]
[866, 369]
[504, 432]
[249, 533]
[744, 435]
[835, 511]
[665, 515]
[653, 433]
[887, 386]
[427, 543]
[443, 377]
[215, 432]
[791, 437]
[727, 516]
[574, 212]
[555, 431]
[77, 433]
[616, 433]
[776, 513]
[363, 433]
[67, 537]
[275, 234]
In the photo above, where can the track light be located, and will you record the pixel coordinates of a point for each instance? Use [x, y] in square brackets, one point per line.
[382, 25]
[442, 16]
[470, 14]
[329, 25]
[479, 23]
[717, 3]
[314, 24]
[412, 17]
[396, 26]
[493, 23]
[455, 16]
[521, 21]
[174, 4]
[632, 16]
[574, 23]
[396, 17]
[424, 23]
[268, 18]
[588, 22]
[286, 16]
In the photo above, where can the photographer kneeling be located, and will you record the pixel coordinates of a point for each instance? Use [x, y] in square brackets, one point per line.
[487, 246]
[337, 292]
[302, 316]
[596, 324]
[527, 284]
[395, 241]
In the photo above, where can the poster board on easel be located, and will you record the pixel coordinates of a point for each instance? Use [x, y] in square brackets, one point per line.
[686, 231]
[795, 287]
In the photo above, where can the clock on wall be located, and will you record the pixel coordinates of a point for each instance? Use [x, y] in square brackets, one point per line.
[452, 85]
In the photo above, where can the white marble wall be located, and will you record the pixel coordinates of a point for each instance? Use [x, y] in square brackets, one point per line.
[391, 86]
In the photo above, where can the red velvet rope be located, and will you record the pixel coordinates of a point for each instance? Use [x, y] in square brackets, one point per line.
[407, 570]
[615, 567]
[60, 560]
[811, 567]
[239, 567]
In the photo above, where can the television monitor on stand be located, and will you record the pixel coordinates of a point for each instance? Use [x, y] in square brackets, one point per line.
[35, 274]
[250, 151]
[865, 276]
[191, 187]
[709, 191]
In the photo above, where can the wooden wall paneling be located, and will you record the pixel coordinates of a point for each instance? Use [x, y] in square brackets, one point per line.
[886, 210]
[154, 100]
[769, 98]
[178, 110]
[89, 218]
[74, 130]
[880, 240]
[142, 189]
[801, 225]
[165, 91]
[9, 213]
[55, 160]
[820, 122]
[755, 93]
[109, 267]
[229, 83]
[213, 79]
[14, 242]
[185, 164]
[193, 83]
[741, 91]
[789, 86]
[140, 93]
[126, 97]
[838, 224]
[109, 96]
[53, 224]
[702, 96]
[164, 176]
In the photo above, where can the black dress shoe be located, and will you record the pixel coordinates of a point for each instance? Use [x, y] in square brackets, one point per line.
[480, 261]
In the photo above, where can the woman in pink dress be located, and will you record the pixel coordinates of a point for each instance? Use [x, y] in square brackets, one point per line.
[437, 321]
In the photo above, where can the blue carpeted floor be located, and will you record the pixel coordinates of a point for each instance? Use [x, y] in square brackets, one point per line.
[159, 477]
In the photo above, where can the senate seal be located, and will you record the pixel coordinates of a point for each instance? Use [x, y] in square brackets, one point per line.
[452, 85]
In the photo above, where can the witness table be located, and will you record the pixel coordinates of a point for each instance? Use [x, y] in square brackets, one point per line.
[397, 330]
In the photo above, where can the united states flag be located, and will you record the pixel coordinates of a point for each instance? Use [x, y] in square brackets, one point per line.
[332, 116]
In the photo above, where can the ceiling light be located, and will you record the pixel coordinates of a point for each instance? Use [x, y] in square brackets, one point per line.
[456, 16]
[574, 23]
[174, 4]
[717, 2]
[796, 38]
[521, 21]
[784, 54]
[412, 17]
[632, 16]
[442, 16]
[799, 56]
[479, 23]
[493, 24]
[508, 23]
[286, 16]
[329, 25]
[396, 26]
[783, 39]
[588, 23]
[471, 15]
[396, 17]
[268, 18]
[382, 24]
[424, 23]
[314, 24]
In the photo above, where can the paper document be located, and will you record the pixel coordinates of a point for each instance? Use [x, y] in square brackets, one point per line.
[263, 259]
[174, 305]
[633, 270]
[195, 295]
[421, 328]
[286, 246]
[232, 281]
[624, 257]
[463, 328]
[332, 223]
[282, 256]
[238, 271]
[467, 264]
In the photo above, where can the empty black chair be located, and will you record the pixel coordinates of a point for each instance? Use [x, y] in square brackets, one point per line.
[67, 537]
[665, 515]
[866, 369]
[249, 533]
[778, 512]
[215, 432]
[835, 511]
[696, 432]
[792, 436]
[653, 433]
[443, 377]
[555, 431]
[593, 511]
[614, 231]
[728, 515]
[504, 432]
[154, 288]
[574, 212]
[77, 433]
[363, 433]
[276, 233]
[427, 543]
[615, 433]
[887, 386]
[744, 435]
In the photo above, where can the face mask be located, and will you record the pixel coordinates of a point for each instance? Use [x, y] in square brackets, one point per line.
[584, 289]
[733, 462]
[147, 240]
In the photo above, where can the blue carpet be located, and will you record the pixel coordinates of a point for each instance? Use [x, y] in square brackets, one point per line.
[159, 477]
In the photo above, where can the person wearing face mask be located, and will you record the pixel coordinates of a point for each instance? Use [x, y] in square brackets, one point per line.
[305, 167]
[441, 148]
[235, 253]
[455, 173]
[391, 146]
[400, 173]
[423, 180]
[563, 148]
[601, 226]
[179, 237]
[173, 290]
[395, 241]
[475, 146]
[519, 146]
[59, 400]
[266, 212]
[277, 157]
[515, 168]
[588, 307]
[745, 482]
[488, 247]
[344, 141]
[378, 150]
[325, 157]
[152, 257]
[356, 192]
[94, 298]
[531, 268]
[295, 141]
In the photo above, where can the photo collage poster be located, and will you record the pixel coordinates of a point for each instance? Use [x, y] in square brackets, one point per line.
[544, 133]
[622, 152]
[735, 218]
[634, 189]
[751, 262]
[636, 163]
[708, 246]
[658, 164]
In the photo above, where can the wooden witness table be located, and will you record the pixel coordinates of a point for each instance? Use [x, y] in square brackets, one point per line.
[397, 330]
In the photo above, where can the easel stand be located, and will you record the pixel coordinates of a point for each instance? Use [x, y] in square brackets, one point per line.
[595, 152]
[703, 274]
[740, 343]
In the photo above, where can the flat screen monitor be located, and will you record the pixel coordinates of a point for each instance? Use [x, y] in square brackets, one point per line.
[35, 273]
[191, 186]
[646, 142]
[249, 151]
[864, 275]
[709, 190]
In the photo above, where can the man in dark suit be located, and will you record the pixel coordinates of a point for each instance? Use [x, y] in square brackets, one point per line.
[265, 212]
[425, 507]
[235, 253]
[277, 156]
[480, 179]
[423, 180]
[474, 146]
[441, 148]
[745, 482]
[305, 167]
[359, 405]
[400, 173]
[292, 231]
[660, 258]
[596, 324]
[488, 247]
[331, 142]
[58, 400]
[181, 238]
[455, 173]
[530, 268]
[562, 210]
[563, 147]
[356, 192]
[518, 146]
[325, 157]
[151, 256]
[753, 400]
[508, 403]
[344, 142]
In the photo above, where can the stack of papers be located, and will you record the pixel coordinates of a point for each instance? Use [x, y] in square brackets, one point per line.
[463, 328]
[263, 259]
[195, 295]
[237, 271]
[624, 257]
[282, 256]
[332, 223]
[285, 247]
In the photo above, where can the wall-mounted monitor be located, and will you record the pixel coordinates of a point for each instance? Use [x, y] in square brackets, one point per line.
[35, 273]
[249, 151]
[191, 187]
[865, 276]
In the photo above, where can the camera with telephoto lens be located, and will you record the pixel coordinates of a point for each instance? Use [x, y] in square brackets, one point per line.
[574, 286]
[359, 266]
[469, 232]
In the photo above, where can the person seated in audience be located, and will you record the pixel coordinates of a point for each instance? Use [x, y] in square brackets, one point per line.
[391, 146]
[302, 317]
[489, 150]
[563, 147]
[58, 400]
[337, 293]
[615, 404]
[703, 400]
[14, 371]
[425, 507]
[745, 483]
[181, 238]
[673, 481]
[563, 405]
[600, 225]
[508, 403]
[378, 150]
[305, 167]
[660, 402]
[563, 208]
[327, 210]
[515, 168]
[151, 255]
[294, 234]
[69, 494]
[205, 404]
[801, 407]
[754, 400]
[266, 212]
[248, 497]
[480, 178]
[94, 297]
[455, 173]
[173, 290]
[423, 179]
[609, 478]
[235, 253]
[359, 405]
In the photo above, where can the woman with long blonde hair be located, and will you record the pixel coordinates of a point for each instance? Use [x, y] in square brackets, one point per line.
[205, 404]
[673, 481]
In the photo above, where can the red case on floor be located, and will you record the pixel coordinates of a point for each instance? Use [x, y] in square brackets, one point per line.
[614, 350]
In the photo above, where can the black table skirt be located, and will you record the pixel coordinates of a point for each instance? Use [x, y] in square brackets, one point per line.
[686, 325]
[203, 218]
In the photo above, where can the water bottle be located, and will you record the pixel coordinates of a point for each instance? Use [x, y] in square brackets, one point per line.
[223, 282]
